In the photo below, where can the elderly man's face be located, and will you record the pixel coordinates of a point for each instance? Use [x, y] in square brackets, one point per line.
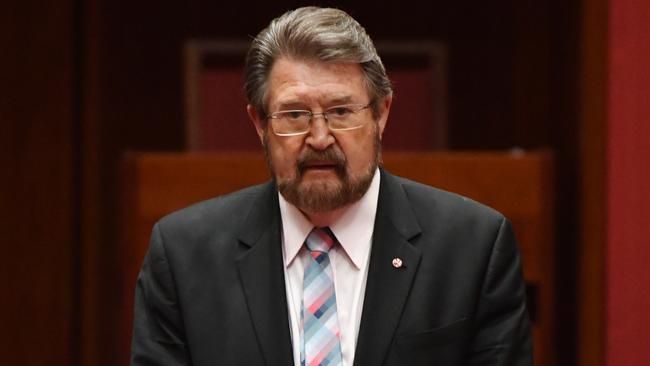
[322, 170]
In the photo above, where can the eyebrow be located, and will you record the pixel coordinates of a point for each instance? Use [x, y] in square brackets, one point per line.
[298, 104]
[340, 100]
[292, 104]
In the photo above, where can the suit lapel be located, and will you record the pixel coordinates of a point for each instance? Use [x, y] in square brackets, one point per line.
[387, 287]
[262, 278]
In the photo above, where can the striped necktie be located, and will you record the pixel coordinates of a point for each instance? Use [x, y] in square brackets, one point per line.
[320, 326]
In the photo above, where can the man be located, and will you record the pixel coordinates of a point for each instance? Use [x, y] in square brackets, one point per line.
[335, 262]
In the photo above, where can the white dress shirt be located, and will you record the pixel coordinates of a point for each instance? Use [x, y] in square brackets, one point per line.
[349, 262]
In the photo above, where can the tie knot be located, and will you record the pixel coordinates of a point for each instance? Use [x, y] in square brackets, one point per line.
[320, 240]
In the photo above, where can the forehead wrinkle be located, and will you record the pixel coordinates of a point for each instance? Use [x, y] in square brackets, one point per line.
[343, 99]
[299, 84]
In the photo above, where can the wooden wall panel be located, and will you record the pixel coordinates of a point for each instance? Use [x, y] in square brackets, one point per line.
[37, 188]
[518, 185]
[628, 184]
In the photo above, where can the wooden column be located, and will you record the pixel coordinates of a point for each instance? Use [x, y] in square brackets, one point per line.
[592, 184]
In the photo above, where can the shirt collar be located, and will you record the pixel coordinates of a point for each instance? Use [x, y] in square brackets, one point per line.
[353, 229]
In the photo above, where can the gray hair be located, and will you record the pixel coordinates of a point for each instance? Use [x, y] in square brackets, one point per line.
[312, 33]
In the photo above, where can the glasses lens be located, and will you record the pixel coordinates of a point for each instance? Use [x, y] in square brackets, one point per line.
[339, 118]
[345, 117]
[290, 122]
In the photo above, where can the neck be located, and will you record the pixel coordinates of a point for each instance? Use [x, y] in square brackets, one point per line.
[323, 219]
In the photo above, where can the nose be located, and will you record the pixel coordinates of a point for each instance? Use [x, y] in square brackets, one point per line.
[319, 137]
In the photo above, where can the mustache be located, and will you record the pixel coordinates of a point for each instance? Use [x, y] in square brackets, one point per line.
[331, 155]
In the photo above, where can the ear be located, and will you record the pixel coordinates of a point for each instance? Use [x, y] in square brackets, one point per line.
[384, 109]
[257, 121]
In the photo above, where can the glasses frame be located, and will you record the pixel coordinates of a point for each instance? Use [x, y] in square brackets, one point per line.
[325, 113]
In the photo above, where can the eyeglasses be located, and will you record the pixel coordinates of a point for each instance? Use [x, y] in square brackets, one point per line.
[297, 122]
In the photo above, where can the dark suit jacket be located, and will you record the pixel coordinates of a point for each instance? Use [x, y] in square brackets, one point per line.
[211, 290]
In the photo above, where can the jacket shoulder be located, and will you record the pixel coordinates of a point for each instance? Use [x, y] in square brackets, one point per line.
[219, 213]
[431, 201]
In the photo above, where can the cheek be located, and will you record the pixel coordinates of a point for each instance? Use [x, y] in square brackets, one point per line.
[283, 157]
[359, 152]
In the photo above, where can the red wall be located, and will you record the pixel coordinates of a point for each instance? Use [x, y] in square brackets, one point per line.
[628, 248]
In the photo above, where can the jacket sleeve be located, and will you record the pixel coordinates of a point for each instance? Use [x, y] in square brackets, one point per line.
[158, 335]
[502, 333]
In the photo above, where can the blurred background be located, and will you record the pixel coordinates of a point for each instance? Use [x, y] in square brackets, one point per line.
[84, 81]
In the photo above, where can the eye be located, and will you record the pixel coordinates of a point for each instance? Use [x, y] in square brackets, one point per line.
[294, 115]
[341, 111]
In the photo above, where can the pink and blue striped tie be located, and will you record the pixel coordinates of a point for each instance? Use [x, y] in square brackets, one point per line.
[320, 326]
